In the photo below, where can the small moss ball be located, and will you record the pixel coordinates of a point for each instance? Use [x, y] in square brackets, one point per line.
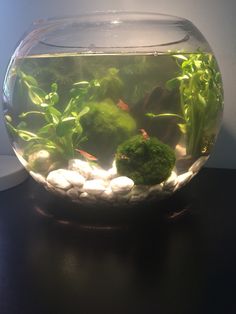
[106, 126]
[146, 161]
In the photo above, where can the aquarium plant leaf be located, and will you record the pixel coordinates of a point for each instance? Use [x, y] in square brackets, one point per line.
[27, 136]
[11, 128]
[95, 83]
[78, 130]
[70, 106]
[113, 71]
[80, 90]
[201, 101]
[172, 84]
[84, 111]
[45, 129]
[54, 87]
[81, 84]
[181, 57]
[25, 114]
[54, 112]
[22, 125]
[52, 98]
[36, 95]
[27, 79]
[68, 119]
[111, 86]
[182, 127]
[8, 118]
[161, 115]
[64, 127]
[59, 127]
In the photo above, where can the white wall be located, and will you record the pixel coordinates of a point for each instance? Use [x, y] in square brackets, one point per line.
[214, 18]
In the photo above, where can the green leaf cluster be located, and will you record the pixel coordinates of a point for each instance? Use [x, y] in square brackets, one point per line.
[109, 85]
[201, 98]
[61, 131]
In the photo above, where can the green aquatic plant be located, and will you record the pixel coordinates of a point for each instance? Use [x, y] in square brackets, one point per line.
[109, 85]
[201, 99]
[146, 161]
[60, 130]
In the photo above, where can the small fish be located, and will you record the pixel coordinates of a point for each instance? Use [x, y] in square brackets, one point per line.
[86, 155]
[122, 105]
[144, 134]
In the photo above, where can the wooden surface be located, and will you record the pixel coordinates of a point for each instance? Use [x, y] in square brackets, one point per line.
[145, 263]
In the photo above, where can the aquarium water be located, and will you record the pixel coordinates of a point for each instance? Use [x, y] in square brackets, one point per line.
[113, 128]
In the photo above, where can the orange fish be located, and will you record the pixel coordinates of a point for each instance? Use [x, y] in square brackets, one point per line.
[144, 134]
[122, 105]
[86, 155]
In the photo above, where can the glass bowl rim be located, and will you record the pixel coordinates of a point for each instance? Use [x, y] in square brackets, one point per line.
[165, 18]
[107, 18]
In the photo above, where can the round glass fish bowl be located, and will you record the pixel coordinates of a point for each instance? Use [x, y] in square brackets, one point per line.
[113, 109]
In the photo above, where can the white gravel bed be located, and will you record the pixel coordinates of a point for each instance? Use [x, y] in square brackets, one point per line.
[84, 183]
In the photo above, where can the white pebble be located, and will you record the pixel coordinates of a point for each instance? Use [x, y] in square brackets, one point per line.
[73, 193]
[112, 173]
[60, 192]
[83, 167]
[171, 181]
[94, 187]
[198, 164]
[87, 197]
[138, 197]
[139, 189]
[73, 177]
[98, 173]
[121, 184]
[113, 170]
[107, 195]
[58, 180]
[123, 198]
[53, 189]
[114, 164]
[157, 188]
[84, 195]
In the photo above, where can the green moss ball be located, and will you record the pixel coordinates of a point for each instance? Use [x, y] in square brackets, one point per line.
[146, 161]
[106, 126]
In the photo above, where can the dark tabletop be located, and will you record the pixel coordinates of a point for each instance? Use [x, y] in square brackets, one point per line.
[177, 257]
